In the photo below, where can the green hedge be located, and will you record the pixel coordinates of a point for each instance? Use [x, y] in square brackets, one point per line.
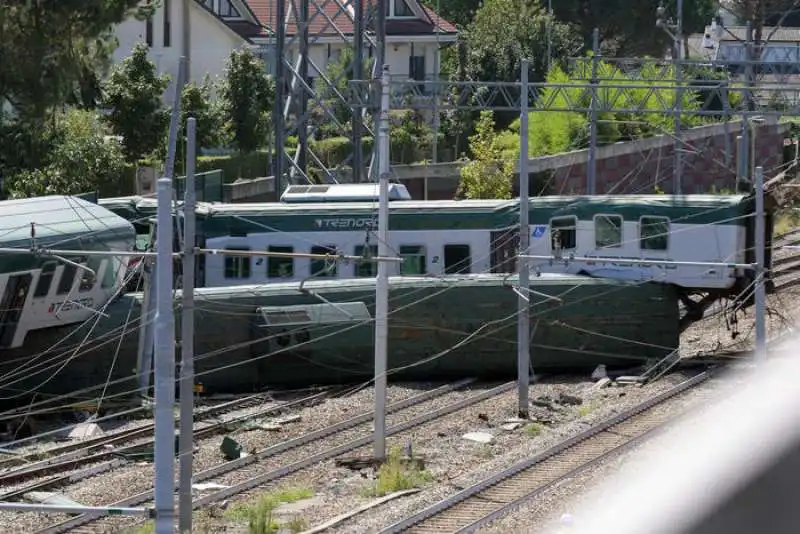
[236, 166]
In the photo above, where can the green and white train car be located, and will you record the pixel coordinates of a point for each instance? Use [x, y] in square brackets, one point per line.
[439, 238]
[47, 292]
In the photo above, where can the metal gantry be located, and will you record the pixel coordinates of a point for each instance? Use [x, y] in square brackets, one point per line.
[308, 98]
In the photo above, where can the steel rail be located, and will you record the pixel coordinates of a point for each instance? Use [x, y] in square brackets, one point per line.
[492, 510]
[88, 453]
[254, 459]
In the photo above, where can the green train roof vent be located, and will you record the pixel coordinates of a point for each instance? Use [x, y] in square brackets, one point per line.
[297, 194]
[315, 314]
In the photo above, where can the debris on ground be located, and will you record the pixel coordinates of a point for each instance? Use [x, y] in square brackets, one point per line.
[479, 437]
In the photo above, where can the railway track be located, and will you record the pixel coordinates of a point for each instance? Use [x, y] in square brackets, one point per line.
[501, 493]
[111, 451]
[255, 473]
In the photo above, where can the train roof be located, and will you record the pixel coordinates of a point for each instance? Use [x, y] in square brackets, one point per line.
[456, 214]
[60, 222]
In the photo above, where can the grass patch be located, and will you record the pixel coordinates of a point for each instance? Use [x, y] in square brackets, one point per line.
[786, 221]
[260, 514]
[396, 475]
[534, 429]
[586, 409]
[296, 525]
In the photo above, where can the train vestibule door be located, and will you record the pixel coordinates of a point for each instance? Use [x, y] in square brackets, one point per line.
[11, 307]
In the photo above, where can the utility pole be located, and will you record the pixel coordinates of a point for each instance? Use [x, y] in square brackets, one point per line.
[761, 297]
[164, 333]
[186, 41]
[677, 145]
[186, 444]
[523, 294]
[549, 35]
[382, 281]
[677, 47]
[592, 170]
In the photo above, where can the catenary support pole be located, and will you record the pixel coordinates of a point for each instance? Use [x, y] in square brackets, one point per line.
[592, 170]
[187, 336]
[382, 282]
[164, 365]
[677, 186]
[523, 303]
[761, 297]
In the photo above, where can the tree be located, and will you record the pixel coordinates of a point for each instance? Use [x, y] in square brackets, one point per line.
[504, 32]
[132, 95]
[340, 73]
[628, 27]
[83, 158]
[247, 95]
[52, 45]
[197, 101]
[489, 173]
[763, 12]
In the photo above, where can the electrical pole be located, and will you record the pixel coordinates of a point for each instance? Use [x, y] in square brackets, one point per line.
[382, 281]
[677, 148]
[187, 336]
[164, 333]
[523, 294]
[592, 170]
[761, 297]
[549, 35]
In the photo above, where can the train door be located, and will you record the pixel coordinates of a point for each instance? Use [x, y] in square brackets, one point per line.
[12, 306]
[504, 246]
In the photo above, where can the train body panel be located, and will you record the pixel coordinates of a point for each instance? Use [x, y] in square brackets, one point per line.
[474, 236]
[40, 291]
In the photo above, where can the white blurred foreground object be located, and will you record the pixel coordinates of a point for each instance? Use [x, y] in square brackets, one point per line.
[732, 469]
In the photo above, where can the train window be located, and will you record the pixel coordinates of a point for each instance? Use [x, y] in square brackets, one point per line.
[89, 276]
[457, 259]
[654, 233]
[109, 273]
[45, 279]
[323, 268]
[413, 260]
[366, 268]
[607, 231]
[67, 279]
[564, 233]
[237, 266]
[280, 267]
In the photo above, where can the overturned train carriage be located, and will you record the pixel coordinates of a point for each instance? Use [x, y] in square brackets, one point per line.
[278, 335]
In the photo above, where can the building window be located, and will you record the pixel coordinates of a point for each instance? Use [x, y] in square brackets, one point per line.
[654, 233]
[167, 23]
[564, 233]
[323, 268]
[398, 8]
[413, 260]
[607, 231]
[226, 10]
[237, 266]
[366, 269]
[45, 279]
[279, 266]
[148, 31]
[457, 259]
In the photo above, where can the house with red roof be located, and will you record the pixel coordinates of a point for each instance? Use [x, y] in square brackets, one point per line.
[415, 34]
